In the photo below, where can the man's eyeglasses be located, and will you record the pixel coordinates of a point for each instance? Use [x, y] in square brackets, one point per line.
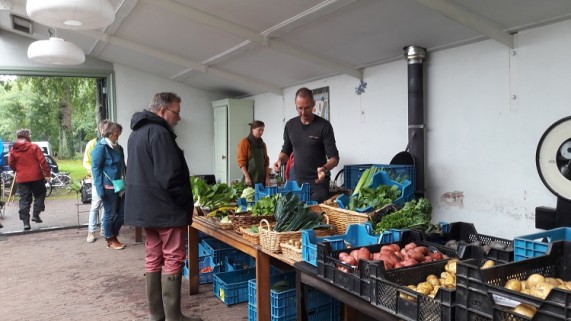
[174, 112]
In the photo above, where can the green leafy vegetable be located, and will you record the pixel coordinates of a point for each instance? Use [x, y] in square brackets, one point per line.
[292, 214]
[264, 206]
[414, 214]
[366, 179]
[374, 197]
[249, 194]
[211, 197]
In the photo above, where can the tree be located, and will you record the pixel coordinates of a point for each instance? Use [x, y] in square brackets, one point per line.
[56, 109]
[65, 96]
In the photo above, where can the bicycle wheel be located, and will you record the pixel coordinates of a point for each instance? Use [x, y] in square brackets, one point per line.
[49, 189]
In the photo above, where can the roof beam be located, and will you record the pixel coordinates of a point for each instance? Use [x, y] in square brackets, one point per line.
[254, 36]
[181, 61]
[471, 20]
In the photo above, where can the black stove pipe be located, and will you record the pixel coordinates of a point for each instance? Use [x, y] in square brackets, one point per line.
[415, 57]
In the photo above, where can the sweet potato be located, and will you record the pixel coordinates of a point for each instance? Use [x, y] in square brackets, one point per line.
[421, 249]
[417, 256]
[409, 262]
[410, 246]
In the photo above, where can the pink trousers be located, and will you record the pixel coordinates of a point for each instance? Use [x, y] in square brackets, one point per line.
[165, 248]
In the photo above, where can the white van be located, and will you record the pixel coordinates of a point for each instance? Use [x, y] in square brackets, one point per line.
[46, 147]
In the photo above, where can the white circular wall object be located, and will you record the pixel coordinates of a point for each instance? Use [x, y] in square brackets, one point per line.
[549, 159]
[55, 51]
[71, 14]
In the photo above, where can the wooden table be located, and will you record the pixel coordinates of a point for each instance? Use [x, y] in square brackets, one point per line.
[229, 237]
[307, 276]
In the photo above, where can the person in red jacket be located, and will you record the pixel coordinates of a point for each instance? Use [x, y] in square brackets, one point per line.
[32, 171]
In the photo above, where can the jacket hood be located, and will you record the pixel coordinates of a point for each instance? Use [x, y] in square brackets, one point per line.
[22, 145]
[146, 117]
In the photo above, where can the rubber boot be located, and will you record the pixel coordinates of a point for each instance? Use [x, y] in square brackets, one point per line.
[154, 296]
[171, 298]
[27, 226]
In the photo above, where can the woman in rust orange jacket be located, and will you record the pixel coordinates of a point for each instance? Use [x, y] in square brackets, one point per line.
[253, 157]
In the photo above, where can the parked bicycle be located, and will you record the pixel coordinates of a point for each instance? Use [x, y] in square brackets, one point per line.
[59, 181]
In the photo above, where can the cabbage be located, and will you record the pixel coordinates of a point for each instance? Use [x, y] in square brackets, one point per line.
[249, 194]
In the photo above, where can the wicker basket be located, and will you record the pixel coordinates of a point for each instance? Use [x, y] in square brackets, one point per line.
[223, 226]
[325, 232]
[291, 251]
[342, 218]
[247, 220]
[270, 240]
[249, 236]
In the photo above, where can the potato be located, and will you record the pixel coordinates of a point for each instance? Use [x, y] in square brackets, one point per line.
[552, 281]
[425, 285]
[431, 276]
[451, 266]
[513, 284]
[434, 281]
[525, 310]
[488, 264]
[534, 279]
[541, 290]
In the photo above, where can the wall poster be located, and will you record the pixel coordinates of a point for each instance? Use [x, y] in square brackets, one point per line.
[321, 96]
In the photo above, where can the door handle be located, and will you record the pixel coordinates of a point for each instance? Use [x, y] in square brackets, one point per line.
[223, 156]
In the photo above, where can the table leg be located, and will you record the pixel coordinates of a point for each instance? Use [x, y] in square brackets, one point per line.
[263, 286]
[193, 277]
[300, 298]
[138, 235]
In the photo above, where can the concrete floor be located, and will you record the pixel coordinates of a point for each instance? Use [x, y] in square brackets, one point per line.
[53, 274]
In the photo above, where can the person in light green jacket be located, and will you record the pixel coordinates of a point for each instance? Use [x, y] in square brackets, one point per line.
[95, 199]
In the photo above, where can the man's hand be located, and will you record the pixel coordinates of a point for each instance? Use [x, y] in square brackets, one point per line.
[321, 175]
[277, 166]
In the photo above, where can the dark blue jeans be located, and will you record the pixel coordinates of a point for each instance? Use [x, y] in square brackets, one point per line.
[29, 190]
[113, 207]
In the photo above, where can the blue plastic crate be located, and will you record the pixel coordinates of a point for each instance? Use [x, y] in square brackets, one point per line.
[399, 173]
[232, 287]
[355, 235]
[330, 312]
[206, 269]
[303, 191]
[282, 304]
[537, 244]
[218, 250]
[238, 262]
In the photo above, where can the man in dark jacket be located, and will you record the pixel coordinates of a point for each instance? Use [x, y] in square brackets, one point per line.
[159, 199]
[32, 171]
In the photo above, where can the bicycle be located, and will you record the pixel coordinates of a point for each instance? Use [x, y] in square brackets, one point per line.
[60, 181]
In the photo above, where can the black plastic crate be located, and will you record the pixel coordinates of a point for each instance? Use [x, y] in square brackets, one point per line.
[357, 280]
[389, 285]
[476, 288]
[466, 232]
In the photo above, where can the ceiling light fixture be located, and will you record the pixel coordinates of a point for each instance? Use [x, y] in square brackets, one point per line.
[71, 14]
[55, 51]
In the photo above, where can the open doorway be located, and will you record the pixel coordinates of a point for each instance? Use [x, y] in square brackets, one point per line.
[62, 113]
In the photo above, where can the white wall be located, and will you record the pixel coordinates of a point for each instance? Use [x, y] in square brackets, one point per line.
[195, 131]
[479, 141]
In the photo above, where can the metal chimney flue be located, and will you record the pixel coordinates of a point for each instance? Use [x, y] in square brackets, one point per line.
[415, 57]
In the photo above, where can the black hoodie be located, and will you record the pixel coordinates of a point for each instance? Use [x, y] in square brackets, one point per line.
[158, 181]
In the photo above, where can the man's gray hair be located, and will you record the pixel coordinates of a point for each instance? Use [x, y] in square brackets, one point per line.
[23, 133]
[163, 100]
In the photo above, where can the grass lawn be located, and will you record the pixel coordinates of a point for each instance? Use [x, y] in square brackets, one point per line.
[73, 167]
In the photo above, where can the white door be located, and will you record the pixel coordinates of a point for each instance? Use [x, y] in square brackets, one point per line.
[221, 143]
